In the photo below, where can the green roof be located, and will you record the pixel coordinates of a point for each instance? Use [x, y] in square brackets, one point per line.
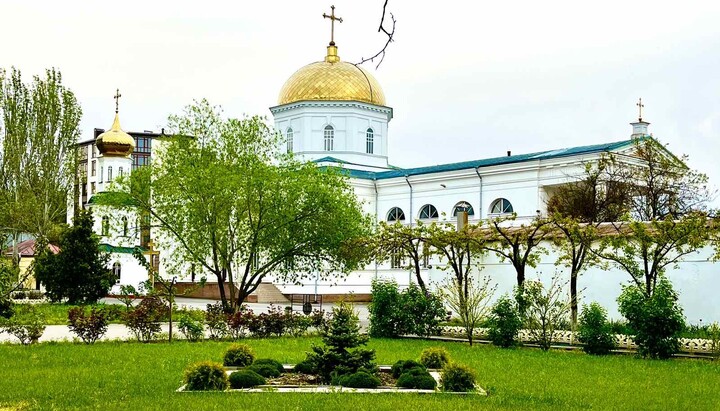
[488, 162]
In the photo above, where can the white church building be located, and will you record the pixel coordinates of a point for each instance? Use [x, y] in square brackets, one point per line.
[335, 113]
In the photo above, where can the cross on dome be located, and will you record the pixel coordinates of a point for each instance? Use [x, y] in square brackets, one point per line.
[117, 99]
[640, 107]
[332, 23]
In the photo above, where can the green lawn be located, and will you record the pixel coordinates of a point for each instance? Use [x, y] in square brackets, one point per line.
[144, 376]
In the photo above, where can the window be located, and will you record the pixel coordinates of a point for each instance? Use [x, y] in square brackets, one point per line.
[140, 160]
[125, 226]
[92, 168]
[369, 141]
[289, 136]
[463, 206]
[92, 188]
[396, 259]
[116, 272]
[93, 149]
[120, 171]
[101, 174]
[396, 214]
[428, 211]
[329, 137]
[501, 206]
[106, 226]
[142, 145]
[109, 178]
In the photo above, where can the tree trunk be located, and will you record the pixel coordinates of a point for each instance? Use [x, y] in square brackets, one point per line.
[573, 299]
[520, 269]
[420, 281]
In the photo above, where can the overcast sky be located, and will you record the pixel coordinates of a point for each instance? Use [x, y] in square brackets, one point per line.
[466, 79]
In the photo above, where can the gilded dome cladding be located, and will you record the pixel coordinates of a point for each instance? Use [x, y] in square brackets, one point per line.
[115, 142]
[328, 81]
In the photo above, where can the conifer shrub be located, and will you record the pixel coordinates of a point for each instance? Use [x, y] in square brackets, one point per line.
[245, 379]
[360, 379]
[403, 365]
[457, 378]
[504, 323]
[205, 376]
[594, 331]
[434, 357]
[417, 378]
[88, 326]
[238, 355]
[305, 367]
[266, 370]
[270, 362]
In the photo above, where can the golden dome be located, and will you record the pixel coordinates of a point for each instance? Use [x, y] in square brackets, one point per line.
[331, 80]
[115, 142]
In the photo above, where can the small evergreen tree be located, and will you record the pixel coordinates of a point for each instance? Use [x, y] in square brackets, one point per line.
[342, 353]
[79, 271]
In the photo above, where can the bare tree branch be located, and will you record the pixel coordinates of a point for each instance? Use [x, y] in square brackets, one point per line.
[390, 37]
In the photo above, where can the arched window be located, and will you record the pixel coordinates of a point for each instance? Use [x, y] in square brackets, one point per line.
[105, 226]
[369, 141]
[109, 178]
[101, 174]
[428, 211]
[120, 172]
[396, 214]
[501, 206]
[116, 272]
[289, 140]
[329, 137]
[463, 206]
[125, 226]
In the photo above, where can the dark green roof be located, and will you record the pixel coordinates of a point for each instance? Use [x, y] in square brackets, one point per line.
[488, 162]
[122, 250]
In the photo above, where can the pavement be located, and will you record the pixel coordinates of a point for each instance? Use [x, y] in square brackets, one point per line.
[121, 332]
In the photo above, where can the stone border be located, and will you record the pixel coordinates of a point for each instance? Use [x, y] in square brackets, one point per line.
[329, 389]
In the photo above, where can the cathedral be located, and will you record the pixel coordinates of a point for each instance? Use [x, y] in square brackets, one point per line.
[334, 113]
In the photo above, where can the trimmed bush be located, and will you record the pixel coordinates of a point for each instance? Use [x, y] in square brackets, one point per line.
[360, 379]
[403, 365]
[504, 323]
[205, 376]
[266, 370]
[269, 361]
[238, 355]
[417, 378]
[245, 379]
[88, 326]
[434, 357]
[594, 330]
[457, 378]
[305, 367]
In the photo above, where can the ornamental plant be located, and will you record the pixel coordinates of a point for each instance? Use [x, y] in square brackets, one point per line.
[418, 378]
[215, 318]
[504, 323]
[594, 331]
[205, 376]
[238, 355]
[457, 378]
[88, 326]
[28, 328]
[144, 320]
[360, 379]
[434, 357]
[403, 365]
[192, 328]
[245, 379]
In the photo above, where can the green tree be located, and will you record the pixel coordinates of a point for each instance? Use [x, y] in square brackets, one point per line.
[469, 300]
[79, 271]
[546, 310]
[230, 202]
[403, 241]
[39, 126]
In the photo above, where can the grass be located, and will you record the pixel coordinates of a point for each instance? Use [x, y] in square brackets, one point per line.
[123, 375]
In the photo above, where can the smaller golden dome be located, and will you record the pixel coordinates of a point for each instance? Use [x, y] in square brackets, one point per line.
[330, 80]
[115, 142]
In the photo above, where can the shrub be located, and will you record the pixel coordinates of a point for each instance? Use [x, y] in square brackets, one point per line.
[274, 321]
[297, 324]
[386, 317]
[504, 323]
[266, 370]
[215, 318]
[594, 330]
[205, 376]
[89, 327]
[457, 378]
[547, 309]
[144, 320]
[417, 378]
[193, 329]
[238, 355]
[305, 367]
[245, 379]
[28, 328]
[360, 379]
[403, 365]
[272, 363]
[238, 323]
[342, 352]
[394, 313]
[424, 310]
[434, 357]
[656, 320]
[112, 312]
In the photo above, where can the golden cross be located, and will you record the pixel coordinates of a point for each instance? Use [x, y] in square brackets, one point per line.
[117, 99]
[332, 23]
[640, 107]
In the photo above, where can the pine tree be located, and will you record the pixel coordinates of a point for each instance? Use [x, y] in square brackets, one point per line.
[79, 271]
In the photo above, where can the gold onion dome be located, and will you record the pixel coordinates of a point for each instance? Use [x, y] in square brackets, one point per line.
[115, 142]
[332, 80]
